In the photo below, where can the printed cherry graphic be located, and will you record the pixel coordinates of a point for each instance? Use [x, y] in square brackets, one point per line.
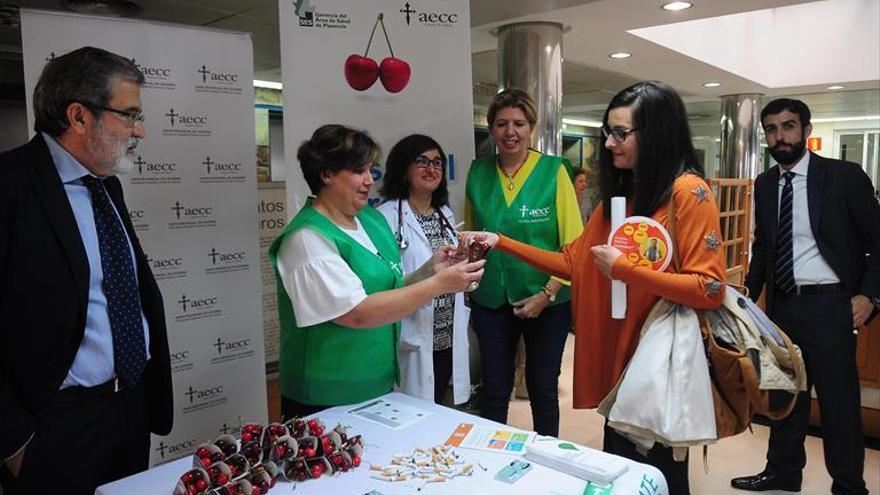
[394, 74]
[361, 72]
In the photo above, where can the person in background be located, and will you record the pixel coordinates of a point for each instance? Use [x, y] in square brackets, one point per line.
[433, 346]
[579, 179]
[528, 196]
[341, 288]
[85, 373]
[648, 158]
[817, 250]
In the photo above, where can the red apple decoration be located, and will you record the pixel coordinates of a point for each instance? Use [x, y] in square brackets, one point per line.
[360, 72]
[394, 74]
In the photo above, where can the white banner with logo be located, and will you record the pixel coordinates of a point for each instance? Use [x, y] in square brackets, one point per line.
[191, 199]
[323, 43]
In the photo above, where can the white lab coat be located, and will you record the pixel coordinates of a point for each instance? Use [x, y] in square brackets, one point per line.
[416, 350]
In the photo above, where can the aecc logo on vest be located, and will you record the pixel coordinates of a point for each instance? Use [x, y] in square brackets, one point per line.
[534, 215]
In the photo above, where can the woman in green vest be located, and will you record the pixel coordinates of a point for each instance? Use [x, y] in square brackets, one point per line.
[528, 196]
[341, 288]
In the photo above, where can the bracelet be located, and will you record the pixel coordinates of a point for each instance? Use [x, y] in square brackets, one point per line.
[549, 293]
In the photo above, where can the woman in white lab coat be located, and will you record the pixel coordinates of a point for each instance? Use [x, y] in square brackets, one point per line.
[433, 349]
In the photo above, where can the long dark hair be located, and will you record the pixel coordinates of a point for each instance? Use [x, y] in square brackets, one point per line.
[665, 148]
[395, 184]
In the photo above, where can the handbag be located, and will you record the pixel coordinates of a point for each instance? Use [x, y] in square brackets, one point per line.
[739, 352]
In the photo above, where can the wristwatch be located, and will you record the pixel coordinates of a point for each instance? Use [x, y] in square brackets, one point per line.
[549, 293]
[875, 300]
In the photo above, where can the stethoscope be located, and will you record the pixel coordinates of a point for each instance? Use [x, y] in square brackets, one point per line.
[401, 239]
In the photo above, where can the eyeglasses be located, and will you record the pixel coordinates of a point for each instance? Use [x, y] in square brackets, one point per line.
[423, 161]
[618, 133]
[132, 116]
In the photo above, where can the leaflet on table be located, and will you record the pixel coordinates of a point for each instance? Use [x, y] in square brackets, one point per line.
[491, 439]
[390, 413]
[576, 460]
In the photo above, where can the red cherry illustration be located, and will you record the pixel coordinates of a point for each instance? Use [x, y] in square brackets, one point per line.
[360, 72]
[394, 74]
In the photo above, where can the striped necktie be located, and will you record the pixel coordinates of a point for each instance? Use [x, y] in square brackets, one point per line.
[784, 244]
[120, 288]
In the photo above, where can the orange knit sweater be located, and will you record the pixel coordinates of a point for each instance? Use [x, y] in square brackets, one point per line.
[604, 346]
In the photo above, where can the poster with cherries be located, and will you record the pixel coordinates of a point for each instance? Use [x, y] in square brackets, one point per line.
[390, 68]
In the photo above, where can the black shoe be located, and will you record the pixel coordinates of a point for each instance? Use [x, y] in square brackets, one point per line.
[767, 481]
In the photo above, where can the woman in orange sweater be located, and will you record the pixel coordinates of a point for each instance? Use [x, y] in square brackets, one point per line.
[648, 157]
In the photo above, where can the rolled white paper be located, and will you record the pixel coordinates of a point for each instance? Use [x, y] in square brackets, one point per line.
[618, 288]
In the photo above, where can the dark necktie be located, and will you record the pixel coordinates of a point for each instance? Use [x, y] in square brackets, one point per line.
[784, 244]
[120, 288]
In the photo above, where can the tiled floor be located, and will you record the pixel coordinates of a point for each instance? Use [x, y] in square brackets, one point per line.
[738, 456]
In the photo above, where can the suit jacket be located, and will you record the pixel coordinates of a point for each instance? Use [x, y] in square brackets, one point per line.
[44, 285]
[844, 218]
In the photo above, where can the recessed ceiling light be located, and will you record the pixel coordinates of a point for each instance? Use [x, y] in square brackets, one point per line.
[675, 6]
[620, 55]
[836, 86]
[711, 84]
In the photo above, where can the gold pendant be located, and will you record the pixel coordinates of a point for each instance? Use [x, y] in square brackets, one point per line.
[510, 186]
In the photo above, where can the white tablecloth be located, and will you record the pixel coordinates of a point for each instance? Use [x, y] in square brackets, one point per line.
[380, 443]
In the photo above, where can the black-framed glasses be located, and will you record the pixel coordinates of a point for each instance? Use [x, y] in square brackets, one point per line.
[132, 116]
[618, 133]
[423, 161]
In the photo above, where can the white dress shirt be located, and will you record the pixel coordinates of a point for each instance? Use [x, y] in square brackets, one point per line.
[810, 267]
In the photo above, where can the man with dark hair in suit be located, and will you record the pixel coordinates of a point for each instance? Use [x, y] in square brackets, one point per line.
[817, 249]
[84, 364]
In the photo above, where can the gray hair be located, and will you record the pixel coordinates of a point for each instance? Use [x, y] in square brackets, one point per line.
[86, 75]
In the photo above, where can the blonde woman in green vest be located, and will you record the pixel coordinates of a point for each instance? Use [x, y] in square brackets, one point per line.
[341, 289]
[528, 196]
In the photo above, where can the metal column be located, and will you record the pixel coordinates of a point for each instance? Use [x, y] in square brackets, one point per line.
[530, 58]
[739, 136]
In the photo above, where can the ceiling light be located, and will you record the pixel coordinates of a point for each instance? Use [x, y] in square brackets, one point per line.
[836, 86]
[711, 84]
[676, 6]
[847, 119]
[267, 84]
[620, 55]
[582, 123]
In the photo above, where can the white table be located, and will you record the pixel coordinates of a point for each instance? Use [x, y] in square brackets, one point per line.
[380, 443]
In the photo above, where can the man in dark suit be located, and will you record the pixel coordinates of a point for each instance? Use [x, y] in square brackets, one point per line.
[84, 364]
[817, 249]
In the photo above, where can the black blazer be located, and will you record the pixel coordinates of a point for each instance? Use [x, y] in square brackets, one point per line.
[44, 285]
[844, 218]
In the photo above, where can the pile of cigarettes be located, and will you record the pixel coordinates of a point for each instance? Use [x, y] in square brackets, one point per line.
[435, 465]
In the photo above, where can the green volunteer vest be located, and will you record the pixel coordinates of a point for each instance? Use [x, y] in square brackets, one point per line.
[530, 218]
[328, 364]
